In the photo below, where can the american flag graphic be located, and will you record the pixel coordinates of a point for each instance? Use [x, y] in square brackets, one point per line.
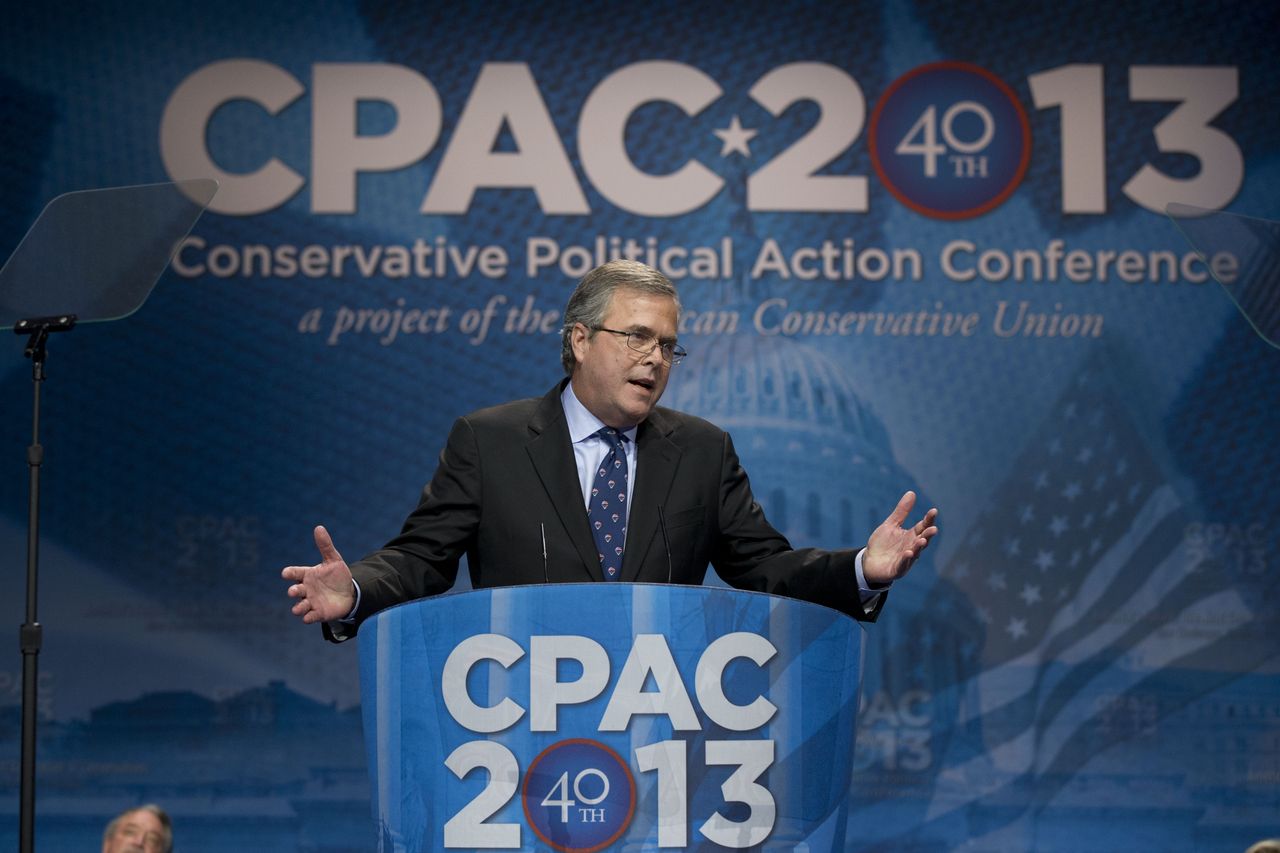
[1091, 599]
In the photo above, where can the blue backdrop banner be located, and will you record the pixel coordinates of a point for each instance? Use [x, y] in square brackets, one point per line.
[918, 245]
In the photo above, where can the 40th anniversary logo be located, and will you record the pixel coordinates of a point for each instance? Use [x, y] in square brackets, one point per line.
[968, 131]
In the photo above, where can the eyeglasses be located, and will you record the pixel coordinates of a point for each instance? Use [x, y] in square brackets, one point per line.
[672, 352]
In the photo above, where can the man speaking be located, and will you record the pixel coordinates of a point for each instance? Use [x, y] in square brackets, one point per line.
[595, 482]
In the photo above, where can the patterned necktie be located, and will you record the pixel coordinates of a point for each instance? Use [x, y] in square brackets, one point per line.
[607, 510]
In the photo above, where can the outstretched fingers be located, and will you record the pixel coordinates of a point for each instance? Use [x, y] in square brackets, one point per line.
[324, 591]
[902, 510]
[293, 573]
[925, 524]
[924, 530]
[324, 544]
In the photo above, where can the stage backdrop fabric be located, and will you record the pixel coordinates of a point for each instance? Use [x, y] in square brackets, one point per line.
[918, 244]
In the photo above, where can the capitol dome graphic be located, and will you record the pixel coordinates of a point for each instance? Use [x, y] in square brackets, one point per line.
[820, 458]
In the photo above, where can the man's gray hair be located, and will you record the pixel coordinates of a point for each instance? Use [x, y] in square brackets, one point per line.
[166, 825]
[590, 300]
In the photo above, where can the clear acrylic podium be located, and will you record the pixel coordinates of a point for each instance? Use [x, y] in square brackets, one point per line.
[584, 717]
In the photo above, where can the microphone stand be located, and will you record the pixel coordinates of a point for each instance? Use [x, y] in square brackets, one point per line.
[30, 636]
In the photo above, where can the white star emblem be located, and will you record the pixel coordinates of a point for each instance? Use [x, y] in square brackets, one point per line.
[734, 138]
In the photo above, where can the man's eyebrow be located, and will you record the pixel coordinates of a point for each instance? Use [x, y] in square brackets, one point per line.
[646, 330]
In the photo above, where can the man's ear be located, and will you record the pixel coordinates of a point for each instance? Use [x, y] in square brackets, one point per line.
[578, 338]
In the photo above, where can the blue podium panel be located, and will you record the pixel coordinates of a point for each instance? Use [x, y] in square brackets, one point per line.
[585, 717]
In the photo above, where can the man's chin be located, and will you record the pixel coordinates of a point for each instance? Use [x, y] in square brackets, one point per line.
[640, 410]
[632, 415]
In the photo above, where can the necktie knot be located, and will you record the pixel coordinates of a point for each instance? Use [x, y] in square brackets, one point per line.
[614, 438]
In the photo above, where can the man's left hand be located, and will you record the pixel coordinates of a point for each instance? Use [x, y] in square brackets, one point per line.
[892, 548]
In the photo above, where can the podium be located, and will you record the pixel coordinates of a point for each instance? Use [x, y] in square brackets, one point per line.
[629, 717]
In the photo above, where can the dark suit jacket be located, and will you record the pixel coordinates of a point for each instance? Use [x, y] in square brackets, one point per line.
[507, 476]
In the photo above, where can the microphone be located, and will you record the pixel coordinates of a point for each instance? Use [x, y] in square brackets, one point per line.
[666, 543]
[546, 577]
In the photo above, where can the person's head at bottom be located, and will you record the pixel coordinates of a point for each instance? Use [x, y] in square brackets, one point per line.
[1267, 845]
[146, 829]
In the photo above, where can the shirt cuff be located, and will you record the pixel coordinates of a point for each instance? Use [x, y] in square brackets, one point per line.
[868, 594]
[350, 618]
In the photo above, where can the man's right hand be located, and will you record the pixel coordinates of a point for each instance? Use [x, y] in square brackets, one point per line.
[324, 591]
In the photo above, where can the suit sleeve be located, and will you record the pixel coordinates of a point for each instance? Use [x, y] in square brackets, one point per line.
[423, 559]
[751, 554]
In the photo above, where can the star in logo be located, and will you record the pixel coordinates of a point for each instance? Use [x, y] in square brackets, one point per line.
[734, 138]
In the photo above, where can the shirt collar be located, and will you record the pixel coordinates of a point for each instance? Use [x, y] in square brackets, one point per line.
[582, 424]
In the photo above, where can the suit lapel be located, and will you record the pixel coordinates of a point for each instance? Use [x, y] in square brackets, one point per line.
[552, 454]
[657, 458]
